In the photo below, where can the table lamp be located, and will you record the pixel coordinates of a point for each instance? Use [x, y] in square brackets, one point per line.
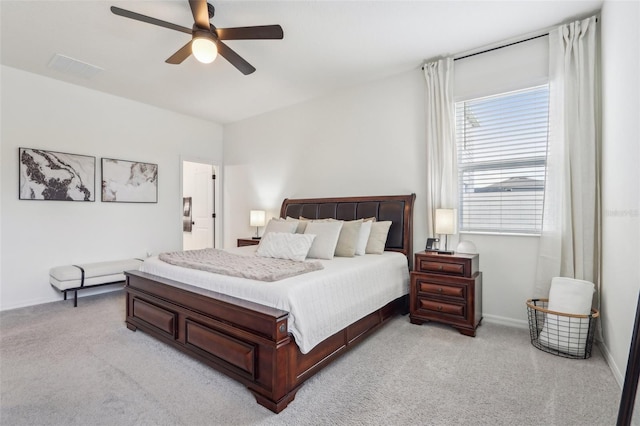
[446, 225]
[257, 219]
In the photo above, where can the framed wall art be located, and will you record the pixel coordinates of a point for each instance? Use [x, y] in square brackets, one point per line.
[129, 181]
[51, 175]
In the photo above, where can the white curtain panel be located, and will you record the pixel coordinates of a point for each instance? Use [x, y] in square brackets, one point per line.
[442, 162]
[570, 240]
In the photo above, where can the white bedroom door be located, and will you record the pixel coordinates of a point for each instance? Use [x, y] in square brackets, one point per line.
[198, 184]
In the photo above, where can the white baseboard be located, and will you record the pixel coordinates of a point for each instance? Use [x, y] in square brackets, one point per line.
[58, 297]
[496, 319]
[617, 374]
[30, 302]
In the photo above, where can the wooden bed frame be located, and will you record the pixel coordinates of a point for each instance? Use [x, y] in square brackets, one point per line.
[247, 341]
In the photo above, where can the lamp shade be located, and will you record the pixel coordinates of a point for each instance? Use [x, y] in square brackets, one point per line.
[257, 218]
[446, 221]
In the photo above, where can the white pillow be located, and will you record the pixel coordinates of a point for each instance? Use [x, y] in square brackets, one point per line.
[285, 245]
[327, 234]
[302, 224]
[348, 239]
[363, 237]
[378, 237]
[280, 225]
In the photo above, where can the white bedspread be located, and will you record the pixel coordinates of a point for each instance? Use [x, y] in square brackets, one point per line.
[319, 303]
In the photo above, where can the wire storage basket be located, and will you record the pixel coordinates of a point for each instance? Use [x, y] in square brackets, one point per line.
[566, 335]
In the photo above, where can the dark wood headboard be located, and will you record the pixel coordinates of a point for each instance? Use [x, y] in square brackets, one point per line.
[396, 208]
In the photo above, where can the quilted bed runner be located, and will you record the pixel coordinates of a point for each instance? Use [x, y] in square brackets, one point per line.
[235, 265]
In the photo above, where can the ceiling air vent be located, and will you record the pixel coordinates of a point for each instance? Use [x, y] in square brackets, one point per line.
[72, 66]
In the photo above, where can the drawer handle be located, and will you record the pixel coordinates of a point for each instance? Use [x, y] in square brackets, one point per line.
[439, 308]
[440, 268]
[439, 289]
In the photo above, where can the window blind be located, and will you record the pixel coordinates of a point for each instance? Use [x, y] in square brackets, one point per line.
[502, 153]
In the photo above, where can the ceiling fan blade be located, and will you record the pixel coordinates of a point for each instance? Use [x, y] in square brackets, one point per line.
[148, 19]
[200, 13]
[234, 59]
[182, 54]
[251, 33]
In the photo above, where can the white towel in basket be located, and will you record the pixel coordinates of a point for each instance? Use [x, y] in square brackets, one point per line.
[563, 333]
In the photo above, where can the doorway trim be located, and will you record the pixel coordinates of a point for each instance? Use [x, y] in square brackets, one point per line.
[217, 197]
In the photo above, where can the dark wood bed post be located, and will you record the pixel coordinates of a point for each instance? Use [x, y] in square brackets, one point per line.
[250, 342]
[627, 401]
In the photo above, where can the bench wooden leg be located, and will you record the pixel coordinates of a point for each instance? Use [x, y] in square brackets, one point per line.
[76, 289]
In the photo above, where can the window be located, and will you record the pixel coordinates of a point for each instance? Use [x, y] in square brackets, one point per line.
[502, 154]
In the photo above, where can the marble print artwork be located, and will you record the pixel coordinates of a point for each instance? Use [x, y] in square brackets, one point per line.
[48, 175]
[129, 181]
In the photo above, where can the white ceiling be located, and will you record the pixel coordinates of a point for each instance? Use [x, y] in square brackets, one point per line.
[327, 45]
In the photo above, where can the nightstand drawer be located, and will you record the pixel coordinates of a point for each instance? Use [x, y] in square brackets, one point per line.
[441, 290]
[460, 265]
[441, 268]
[441, 307]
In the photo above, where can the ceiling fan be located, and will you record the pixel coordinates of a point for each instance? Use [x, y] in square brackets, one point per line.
[206, 39]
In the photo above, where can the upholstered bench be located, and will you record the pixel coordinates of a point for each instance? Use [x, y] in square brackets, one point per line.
[87, 275]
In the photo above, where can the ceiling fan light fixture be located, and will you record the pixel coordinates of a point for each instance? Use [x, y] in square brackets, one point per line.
[206, 39]
[204, 48]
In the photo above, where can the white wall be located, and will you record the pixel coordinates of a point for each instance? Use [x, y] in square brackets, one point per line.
[368, 140]
[39, 112]
[621, 178]
[363, 141]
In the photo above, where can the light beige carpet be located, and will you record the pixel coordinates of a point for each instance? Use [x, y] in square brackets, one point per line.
[82, 366]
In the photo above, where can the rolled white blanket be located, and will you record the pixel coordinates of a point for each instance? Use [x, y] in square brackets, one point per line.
[564, 333]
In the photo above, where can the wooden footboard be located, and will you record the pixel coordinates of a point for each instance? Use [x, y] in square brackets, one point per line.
[247, 341]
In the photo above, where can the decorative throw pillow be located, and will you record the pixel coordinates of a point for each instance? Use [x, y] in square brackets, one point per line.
[285, 245]
[348, 239]
[378, 237]
[363, 237]
[302, 224]
[327, 233]
[280, 225]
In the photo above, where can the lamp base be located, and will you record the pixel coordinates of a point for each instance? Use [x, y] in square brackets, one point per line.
[255, 238]
[448, 252]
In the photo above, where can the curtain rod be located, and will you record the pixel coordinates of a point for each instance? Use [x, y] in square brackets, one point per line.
[500, 47]
[545, 33]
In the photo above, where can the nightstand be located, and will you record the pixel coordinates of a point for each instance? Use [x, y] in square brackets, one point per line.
[447, 289]
[248, 242]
